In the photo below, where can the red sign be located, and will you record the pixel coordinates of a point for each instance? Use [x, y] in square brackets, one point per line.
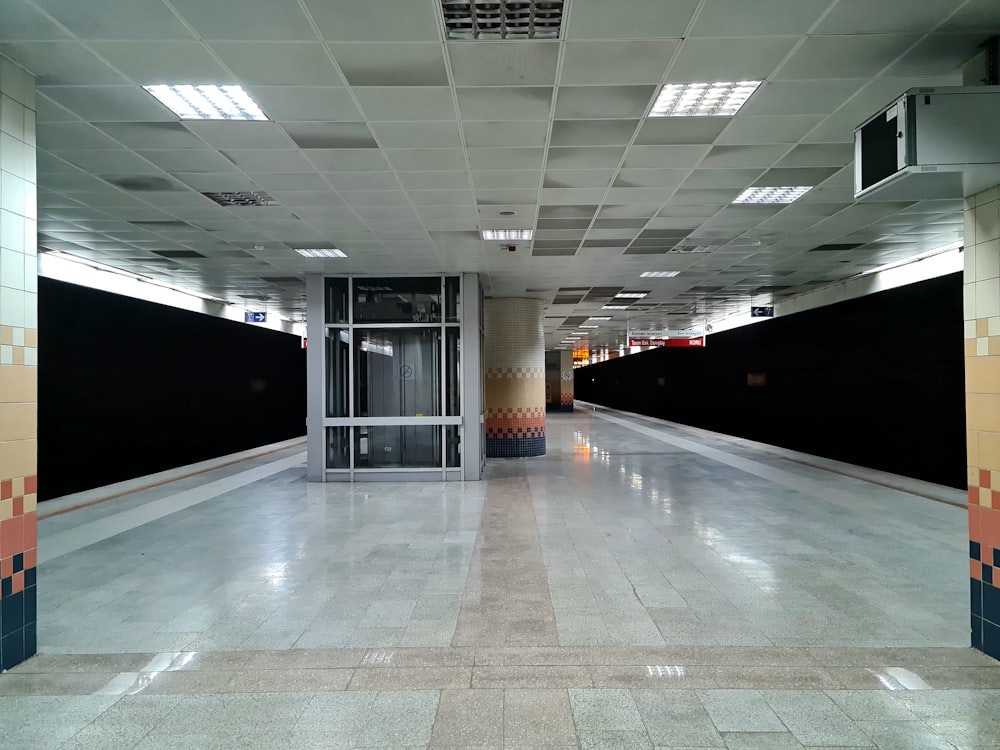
[667, 342]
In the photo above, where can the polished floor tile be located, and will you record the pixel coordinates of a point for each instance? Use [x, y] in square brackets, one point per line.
[643, 585]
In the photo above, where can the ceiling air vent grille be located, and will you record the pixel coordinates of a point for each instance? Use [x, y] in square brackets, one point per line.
[242, 198]
[502, 19]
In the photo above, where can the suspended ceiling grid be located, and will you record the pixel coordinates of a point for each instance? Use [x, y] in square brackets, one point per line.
[398, 146]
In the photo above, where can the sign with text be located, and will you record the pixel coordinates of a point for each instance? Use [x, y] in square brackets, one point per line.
[255, 317]
[762, 311]
[668, 342]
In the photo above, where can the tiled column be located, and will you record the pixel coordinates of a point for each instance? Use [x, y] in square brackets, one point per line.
[514, 378]
[566, 381]
[18, 360]
[982, 394]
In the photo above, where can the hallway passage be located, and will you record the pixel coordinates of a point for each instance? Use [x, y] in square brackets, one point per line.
[644, 585]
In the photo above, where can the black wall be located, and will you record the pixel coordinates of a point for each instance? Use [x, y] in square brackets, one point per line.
[128, 388]
[876, 381]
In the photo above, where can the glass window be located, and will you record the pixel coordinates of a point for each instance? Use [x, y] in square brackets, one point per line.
[338, 447]
[453, 386]
[336, 300]
[337, 373]
[452, 285]
[452, 445]
[392, 300]
[409, 446]
[397, 372]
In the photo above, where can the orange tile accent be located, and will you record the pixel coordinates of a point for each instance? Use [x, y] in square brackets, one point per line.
[18, 583]
[991, 526]
[986, 553]
[984, 478]
[975, 570]
[6, 489]
[19, 506]
[6, 567]
[30, 530]
[30, 485]
[994, 499]
[970, 347]
[975, 524]
[12, 536]
[982, 327]
[31, 558]
[973, 495]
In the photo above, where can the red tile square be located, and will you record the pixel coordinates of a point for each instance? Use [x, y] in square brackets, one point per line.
[984, 478]
[991, 526]
[30, 531]
[975, 523]
[973, 495]
[11, 534]
[6, 567]
[976, 570]
[31, 558]
[18, 583]
[18, 506]
[6, 489]
[31, 485]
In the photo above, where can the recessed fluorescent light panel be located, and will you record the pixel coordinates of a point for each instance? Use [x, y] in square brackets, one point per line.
[658, 274]
[207, 102]
[631, 295]
[508, 235]
[321, 253]
[722, 99]
[599, 317]
[614, 307]
[590, 326]
[772, 194]
[502, 19]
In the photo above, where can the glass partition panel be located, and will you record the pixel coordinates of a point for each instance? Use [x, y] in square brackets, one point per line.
[452, 285]
[338, 447]
[337, 372]
[336, 300]
[397, 372]
[400, 446]
[453, 384]
[453, 445]
[392, 300]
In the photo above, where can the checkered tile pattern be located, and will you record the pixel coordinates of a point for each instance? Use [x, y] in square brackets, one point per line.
[982, 371]
[514, 391]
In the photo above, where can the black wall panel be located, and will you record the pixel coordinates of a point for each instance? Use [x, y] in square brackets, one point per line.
[876, 381]
[128, 388]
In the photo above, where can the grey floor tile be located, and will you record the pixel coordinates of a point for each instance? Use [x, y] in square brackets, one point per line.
[604, 710]
[400, 718]
[740, 711]
[469, 719]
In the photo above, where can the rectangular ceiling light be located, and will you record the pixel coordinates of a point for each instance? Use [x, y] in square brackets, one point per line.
[321, 253]
[502, 19]
[207, 102]
[632, 295]
[590, 326]
[658, 274]
[614, 307]
[599, 317]
[241, 198]
[772, 194]
[508, 234]
[722, 99]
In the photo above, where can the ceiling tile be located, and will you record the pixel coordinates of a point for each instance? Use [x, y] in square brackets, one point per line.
[386, 20]
[680, 130]
[722, 178]
[363, 180]
[575, 178]
[837, 129]
[379, 64]
[122, 103]
[976, 15]
[275, 182]
[571, 196]
[584, 157]
[507, 178]
[259, 20]
[818, 155]
[164, 62]
[503, 63]
[234, 134]
[582, 102]
[592, 132]
[22, 21]
[117, 19]
[61, 63]
[726, 18]
[73, 135]
[522, 196]
[665, 156]
[268, 160]
[442, 197]
[501, 103]
[645, 19]
[885, 16]
[810, 176]
[278, 63]
[433, 180]
[938, 52]
[511, 133]
[106, 161]
[844, 56]
[754, 129]
[347, 160]
[642, 178]
[733, 59]
[505, 158]
[297, 103]
[802, 97]
[623, 62]
[330, 134]
[406, 103]
[426, 159]
[627, 211]
[417, 134]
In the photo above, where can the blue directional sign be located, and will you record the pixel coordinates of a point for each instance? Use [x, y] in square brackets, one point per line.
[255, 317]
[762, 311]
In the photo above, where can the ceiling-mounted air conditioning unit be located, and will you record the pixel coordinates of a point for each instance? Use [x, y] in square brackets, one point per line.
[930, 143]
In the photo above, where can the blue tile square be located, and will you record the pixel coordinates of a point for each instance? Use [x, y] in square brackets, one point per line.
[30, 604]
[991, 603]
[976, 597]
[975, 550]
[991, 639]
[987, 573]
[977, 632]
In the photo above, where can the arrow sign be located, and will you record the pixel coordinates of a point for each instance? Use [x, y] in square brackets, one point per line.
[762, 311]
[255, 317]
